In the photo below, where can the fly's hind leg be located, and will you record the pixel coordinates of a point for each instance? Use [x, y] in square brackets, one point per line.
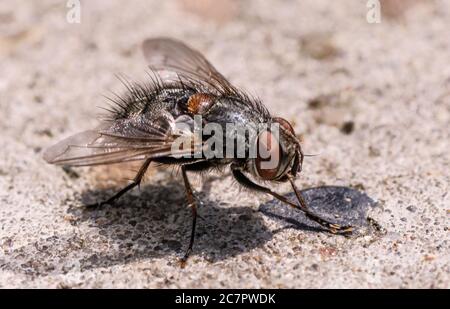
[136, 182]
[193, 205]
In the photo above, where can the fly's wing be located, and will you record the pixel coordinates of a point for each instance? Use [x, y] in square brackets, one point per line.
[164, 54]
[120, 141]
[171, 56]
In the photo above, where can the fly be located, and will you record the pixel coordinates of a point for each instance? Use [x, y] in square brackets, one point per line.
[160, 122]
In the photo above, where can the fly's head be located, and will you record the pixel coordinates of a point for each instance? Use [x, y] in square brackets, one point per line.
[279, 155]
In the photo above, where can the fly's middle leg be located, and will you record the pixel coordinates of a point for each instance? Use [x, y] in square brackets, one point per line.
[136, 182]
[193, 205]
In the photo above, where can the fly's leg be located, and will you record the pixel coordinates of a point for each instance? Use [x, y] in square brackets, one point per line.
[193, 205]
[332, 227]
[136, 182]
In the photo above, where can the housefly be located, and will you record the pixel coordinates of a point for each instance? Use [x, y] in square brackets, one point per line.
[150, 119]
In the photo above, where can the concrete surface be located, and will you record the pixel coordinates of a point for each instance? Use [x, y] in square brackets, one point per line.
[373, 100]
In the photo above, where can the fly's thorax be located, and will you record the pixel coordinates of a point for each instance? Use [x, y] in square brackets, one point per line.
[233, 110]
[225, 125]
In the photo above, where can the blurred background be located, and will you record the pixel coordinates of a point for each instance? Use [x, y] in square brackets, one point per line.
[368, 92]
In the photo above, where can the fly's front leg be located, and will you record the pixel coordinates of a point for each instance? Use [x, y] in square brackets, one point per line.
[193, 205]
[332, 227]
[136, 182]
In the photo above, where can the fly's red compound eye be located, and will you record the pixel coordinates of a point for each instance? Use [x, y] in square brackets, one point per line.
[268, 156]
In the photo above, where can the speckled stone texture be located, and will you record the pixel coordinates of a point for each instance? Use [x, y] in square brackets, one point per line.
[371, 100]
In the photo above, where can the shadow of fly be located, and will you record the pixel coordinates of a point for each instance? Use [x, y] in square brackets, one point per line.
[189, 115]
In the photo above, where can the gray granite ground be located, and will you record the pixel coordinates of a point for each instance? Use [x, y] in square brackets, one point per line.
[373, 100]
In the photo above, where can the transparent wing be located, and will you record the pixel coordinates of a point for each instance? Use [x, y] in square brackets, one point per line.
[119, 141]
[164, 54]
